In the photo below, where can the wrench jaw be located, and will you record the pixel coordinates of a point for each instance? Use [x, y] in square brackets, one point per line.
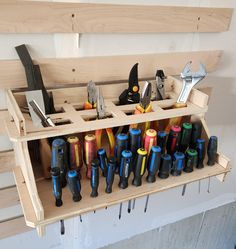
[190, 79]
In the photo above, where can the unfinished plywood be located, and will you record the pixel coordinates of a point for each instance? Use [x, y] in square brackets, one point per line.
[7, 161]
[20, 17]
[9, 197]
[13, 227]
[66, 71]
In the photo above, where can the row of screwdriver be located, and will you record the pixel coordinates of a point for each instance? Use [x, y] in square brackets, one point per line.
[159, 153]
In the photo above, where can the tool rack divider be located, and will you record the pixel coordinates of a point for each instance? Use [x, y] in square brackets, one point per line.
[77, 121]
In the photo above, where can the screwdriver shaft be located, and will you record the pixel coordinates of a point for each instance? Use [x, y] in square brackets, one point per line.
[146, 204]
[129, 206]
[209, 183]
[133, 207]
[120, 211]
[199, 187]
[184, 188]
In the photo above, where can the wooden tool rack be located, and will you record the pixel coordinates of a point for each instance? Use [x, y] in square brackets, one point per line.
[110, 72]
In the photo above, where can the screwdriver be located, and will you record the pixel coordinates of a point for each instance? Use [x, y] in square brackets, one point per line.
[74, 185]
[111, 167]
[150, 139]
[75, 153]
[56, 185]
[196, 134]
[165, 166]
[212, 150]
[102, 156]
[201, 151]
[94, 181]
[121, 144]
[139, 166]
[90, 148]
[161, 140]
[154, 162]
[134, 140]
[173, 139]
[178, 163]
[59, 158]
[185, 137]
[125, 168]
[191, 160]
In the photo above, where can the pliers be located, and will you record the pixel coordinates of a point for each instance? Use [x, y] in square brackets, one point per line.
[144, 105]
[92, 96]
[131, 95]
[160, 87]
[101, 114]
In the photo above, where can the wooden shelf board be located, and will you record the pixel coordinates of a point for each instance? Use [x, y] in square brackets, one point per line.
[87, 204]
[18, 17]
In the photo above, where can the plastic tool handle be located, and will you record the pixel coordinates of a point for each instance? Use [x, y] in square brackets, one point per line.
[94, 177]
[165, 166]
[161, 140]
[56, 186]
[178, 163]
[121, 144]
[185, 137]
[201, 151]
[110, 174]
[75, 153]
[59, 158]
[90, 150]
[212, 150]
[154, 162]
[125, 168]
[102, 157]
[176, 120]
[134, 140]
[173, 139]
[74, 185]
[196, 134]
[140, 166]
[150, 140]
[190, 160]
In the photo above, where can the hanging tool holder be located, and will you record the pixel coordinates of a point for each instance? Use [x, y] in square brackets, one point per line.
[34, 190]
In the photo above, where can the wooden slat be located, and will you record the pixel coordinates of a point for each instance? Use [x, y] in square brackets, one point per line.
[13, 227]
[66, 71]
[3, 114]
[9, 197]
[20, 17]
[7, 161]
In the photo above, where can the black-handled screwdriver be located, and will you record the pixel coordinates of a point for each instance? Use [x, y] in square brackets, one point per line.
[102, 156]
[196, 134]
[139, 166]
[110, 174]
[56, 186]
[121, 144]
[125, 168]
[201, 151]
[212, 150]
[74, 185]
[94, 181]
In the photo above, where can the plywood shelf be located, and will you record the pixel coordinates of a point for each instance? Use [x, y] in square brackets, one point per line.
[87, 204]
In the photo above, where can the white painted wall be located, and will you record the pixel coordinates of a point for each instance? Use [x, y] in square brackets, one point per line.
[104, 227]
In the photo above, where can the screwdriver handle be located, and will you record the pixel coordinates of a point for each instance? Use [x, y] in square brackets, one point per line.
[110, 174]
[175, 120]
[125, 168]
[185, 137]
[196, 134]
[56, 186]
[121, 145]
[201, 151]
[154, 161]
[161, 140]
[134, 140]
[94, 181]
[74, 185]
[139, 166]
[212, 150]
[102, 157]
[173, 139]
